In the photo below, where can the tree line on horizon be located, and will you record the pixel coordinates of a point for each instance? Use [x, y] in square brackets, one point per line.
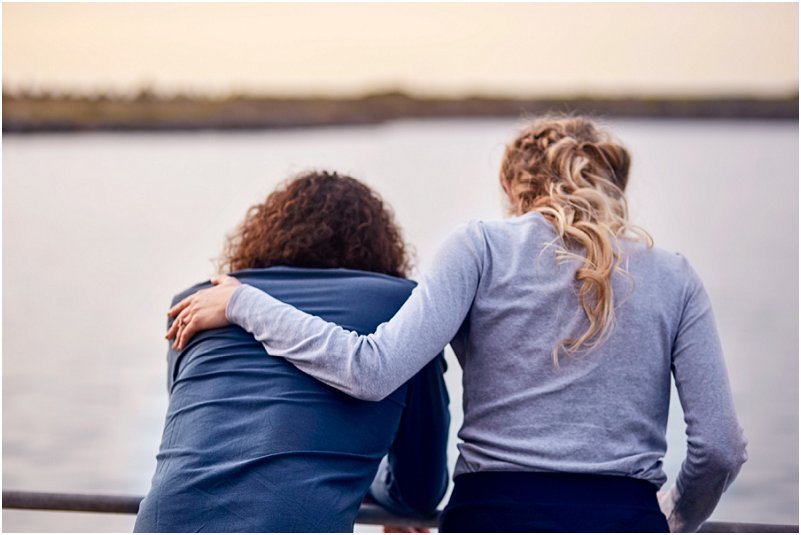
[49, 110]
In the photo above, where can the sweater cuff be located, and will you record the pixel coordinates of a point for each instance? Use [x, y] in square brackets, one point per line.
[240, 302]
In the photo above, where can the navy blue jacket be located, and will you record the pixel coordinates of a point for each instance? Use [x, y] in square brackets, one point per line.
[251, 443]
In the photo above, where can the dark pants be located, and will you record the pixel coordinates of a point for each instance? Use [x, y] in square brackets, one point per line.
[515, 502]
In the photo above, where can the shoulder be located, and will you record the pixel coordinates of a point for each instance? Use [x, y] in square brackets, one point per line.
[189, 291]
[671, 262]
[343, 275]
[504, 236]
[669, 269]
[370, 284]
[477, 233]
[319, 279]
[526, 226]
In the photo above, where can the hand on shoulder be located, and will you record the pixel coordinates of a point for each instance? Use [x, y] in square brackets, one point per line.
[203, 310]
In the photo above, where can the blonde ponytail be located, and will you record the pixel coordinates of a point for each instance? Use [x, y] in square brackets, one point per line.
[574, 174]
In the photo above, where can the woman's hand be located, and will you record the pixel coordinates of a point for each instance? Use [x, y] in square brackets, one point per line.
[201, 311]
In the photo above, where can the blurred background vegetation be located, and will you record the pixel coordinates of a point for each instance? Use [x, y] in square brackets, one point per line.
[27, 112]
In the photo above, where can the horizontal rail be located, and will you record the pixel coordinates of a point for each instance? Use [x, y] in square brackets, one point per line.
[126, 504]
[368, 513]
[56, 501]
[743, 527]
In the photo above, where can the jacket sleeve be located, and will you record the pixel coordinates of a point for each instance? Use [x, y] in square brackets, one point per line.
[413, 478]
[715, 441]
[373, 366]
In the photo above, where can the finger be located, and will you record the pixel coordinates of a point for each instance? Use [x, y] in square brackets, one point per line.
[183, 320]
[177, 323]
[187, 332]
[177, 336]
[180, 339]
[172, 330]
[180, 306]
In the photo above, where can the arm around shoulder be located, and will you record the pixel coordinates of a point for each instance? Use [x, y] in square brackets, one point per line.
[371, 367]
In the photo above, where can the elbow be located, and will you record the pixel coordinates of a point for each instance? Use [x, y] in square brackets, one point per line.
[366, 377]
[424, 504]
[360, 388]
[726, 460]
[367, 392]
[423, 510]
[723, 452]
[368, 395]
[737, 454]
[369, 386]
[734, 458]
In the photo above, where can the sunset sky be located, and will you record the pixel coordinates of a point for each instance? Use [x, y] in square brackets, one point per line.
[438, 49]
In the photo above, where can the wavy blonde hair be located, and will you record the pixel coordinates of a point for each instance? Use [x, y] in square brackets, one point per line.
[574, 173]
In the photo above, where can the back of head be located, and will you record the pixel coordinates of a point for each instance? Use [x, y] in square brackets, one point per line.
[319, 220]
[574, 173]
[564, 157]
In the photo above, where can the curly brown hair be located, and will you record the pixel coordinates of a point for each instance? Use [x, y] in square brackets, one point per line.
[322, 220]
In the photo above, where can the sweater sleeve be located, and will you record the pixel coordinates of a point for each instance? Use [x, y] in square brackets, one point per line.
[715, 441]
[373, 366]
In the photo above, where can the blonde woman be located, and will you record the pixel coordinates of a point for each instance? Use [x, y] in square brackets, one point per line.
[568, 325]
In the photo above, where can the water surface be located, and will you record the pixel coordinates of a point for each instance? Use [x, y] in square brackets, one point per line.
[100, 230]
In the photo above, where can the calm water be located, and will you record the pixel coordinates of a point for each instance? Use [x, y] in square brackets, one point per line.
[99, 231]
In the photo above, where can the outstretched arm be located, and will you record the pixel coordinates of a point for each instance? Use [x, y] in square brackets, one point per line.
[367, 367]
[371, 367]
[715, 442]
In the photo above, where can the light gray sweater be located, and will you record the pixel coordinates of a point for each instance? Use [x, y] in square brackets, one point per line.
[498, 295]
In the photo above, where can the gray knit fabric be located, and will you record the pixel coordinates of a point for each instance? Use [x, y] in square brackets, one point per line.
[498, 293]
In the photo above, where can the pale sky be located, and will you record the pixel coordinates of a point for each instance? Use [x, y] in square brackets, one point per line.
[440, 49]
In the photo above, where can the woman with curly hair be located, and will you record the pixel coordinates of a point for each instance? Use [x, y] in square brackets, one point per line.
[320, 220]
[568, 324]
[253, 444]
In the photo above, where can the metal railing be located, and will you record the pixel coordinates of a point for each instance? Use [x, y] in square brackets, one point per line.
[126, 504]
[368, 514]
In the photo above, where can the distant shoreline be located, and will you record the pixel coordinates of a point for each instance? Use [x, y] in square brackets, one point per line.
[148, 112]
